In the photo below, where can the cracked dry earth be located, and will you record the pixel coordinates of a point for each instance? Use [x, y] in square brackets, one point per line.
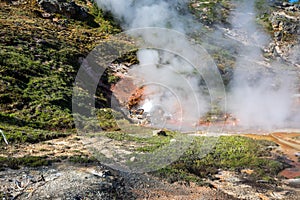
[66, 180]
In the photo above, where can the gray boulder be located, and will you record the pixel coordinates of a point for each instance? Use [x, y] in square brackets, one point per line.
[69, 9]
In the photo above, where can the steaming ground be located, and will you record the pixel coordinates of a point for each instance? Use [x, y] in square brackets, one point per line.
[259, 97]
[170, 89]
[260, 94]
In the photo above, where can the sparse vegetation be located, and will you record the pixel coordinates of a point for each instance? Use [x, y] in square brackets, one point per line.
[28, 161]
[38, 161]
[107, 119]
[81, 159]
[230, 153]
[211, 12]
[150, 144]
[263, 14]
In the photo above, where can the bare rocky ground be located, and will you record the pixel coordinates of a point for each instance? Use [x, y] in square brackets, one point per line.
[94, 182]
[67, 180]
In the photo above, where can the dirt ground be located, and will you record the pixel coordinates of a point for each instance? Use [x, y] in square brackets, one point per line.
[65, 180]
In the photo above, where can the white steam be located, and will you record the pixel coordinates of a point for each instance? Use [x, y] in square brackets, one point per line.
[172, 84]
[149, 13]
[259, 96]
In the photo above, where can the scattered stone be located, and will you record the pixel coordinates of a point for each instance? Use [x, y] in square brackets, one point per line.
[64, 182]
[285, 23]
[102, 174]
[120, 69]
[230, 183]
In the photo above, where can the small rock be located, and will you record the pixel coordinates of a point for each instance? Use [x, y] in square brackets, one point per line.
[50, 6]
[55, 19]
[46, 15]
[69, 9]
[278, 51]
[173, 140]
[102, 174]
[132, 159]
[285, 4]
[106, 173]
[159, 133]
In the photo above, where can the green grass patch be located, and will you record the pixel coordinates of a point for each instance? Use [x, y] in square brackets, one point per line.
[26, 161]
[17, 134]
[38, 161]
[229, 153]
[150, 143]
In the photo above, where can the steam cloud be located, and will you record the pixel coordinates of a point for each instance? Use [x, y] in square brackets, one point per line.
[259, 96]
[152, 13]
[169, 87]
[172, 84]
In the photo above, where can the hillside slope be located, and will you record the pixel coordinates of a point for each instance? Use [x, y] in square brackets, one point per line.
[40, 53]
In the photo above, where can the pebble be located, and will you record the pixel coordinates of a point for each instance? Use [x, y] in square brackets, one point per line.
[132, 159]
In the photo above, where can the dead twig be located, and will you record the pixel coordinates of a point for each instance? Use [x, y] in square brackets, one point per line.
[5, 140]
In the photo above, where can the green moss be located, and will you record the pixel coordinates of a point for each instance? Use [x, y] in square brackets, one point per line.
[107, 121]
[17, 134]
[37, 161]
[229, 153]
[26, 161]
[39, 61]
